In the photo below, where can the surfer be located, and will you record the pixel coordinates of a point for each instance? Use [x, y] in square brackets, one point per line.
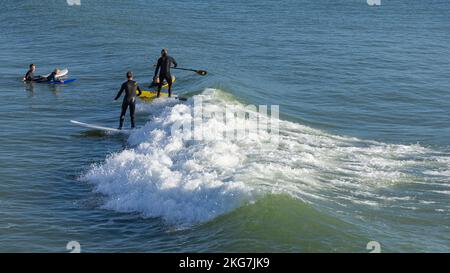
[53, 76]
[129, 99]
[155, 82]
[30, 74]
[163, 66]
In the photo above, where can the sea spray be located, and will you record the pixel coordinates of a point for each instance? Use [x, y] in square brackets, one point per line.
[170, 174]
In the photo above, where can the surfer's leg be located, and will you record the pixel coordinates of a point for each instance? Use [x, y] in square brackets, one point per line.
[122, 114]
[132, 108]
[160, 85]
[169, 82]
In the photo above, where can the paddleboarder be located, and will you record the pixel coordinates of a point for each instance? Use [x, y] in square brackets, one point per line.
[163, 67]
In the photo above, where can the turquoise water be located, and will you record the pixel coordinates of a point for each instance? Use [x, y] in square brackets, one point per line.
[364, 127]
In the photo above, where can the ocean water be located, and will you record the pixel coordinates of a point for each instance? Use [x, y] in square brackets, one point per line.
[364, 147]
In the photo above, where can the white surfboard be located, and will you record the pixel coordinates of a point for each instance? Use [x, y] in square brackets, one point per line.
[62, 73]
[101, 128]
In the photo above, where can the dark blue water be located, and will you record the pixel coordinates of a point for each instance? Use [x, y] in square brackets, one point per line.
[364, 151]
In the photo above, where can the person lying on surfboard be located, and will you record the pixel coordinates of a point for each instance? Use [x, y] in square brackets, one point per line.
[29, 77]
[163, 66]
[129, 99]
[53, 76]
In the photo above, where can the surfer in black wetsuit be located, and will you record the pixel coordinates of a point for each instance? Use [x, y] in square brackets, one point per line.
[29, 77]
[129, 99]
[163, 66]
[52, 77]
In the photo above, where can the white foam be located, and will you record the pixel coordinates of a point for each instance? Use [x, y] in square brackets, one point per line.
[443, 192]
[190, 181]
[438, 173]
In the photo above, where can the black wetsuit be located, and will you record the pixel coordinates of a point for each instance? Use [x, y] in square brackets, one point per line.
[30, 76]
[52, 77]
[163, 65]
[130, 88]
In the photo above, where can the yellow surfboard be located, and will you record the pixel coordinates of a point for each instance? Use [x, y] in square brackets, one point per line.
[151, 94]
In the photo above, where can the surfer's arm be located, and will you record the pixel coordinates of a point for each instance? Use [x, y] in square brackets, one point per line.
[174, 62]
[139, 90]
[122, 88]
[158, 65]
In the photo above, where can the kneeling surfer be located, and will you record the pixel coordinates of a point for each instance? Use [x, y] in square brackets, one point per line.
[155, 82]
[129, 99]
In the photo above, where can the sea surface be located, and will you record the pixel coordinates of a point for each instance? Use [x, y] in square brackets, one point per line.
[364, 127]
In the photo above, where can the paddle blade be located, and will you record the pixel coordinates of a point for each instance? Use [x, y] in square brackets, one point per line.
[201, 72]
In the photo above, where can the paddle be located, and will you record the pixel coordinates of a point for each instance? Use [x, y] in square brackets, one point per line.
[200, 72]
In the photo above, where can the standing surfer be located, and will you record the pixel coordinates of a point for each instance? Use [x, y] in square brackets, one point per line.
[163, 66]
[129, 99]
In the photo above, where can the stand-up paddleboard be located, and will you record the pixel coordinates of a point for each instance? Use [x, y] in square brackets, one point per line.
[101, 128]
[150, 95]
[62, 73]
